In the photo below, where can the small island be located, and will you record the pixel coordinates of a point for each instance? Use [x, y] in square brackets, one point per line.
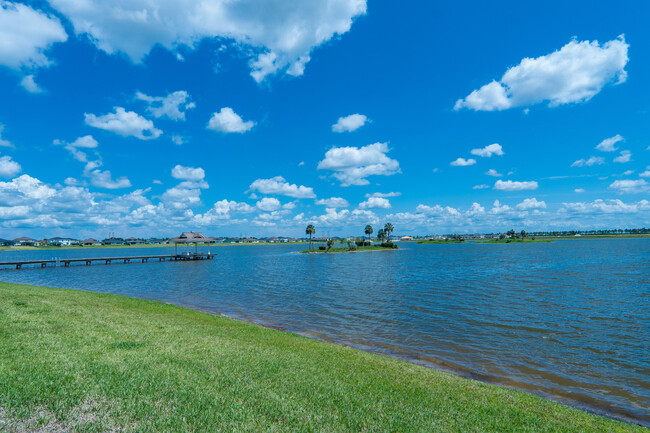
[356, 245]
[513, 237]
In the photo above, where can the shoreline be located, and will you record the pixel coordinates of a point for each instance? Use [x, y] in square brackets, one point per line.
[433, 364]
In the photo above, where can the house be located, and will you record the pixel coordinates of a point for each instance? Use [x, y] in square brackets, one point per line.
[91, 241]
[25, 241]
[62, 241]
[133, 241]
[406, 238]
[156, 241]
[113, 241]
[251, 241]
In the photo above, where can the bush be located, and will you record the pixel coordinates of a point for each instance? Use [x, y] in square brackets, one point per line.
[352, 246]
[363, 243]
[388, 244]
[322, 247]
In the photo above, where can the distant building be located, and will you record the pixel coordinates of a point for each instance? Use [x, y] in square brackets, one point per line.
[6, 242]
[133, 241]
[113, 241]
[23, 241]
[406, 238]
[91, 241]
[62, 241]
[156, 241]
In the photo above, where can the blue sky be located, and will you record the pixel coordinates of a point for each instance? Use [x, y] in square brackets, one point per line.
[150, 117]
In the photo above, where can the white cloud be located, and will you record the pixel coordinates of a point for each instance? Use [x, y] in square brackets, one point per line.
[375, 203]
[607, 145]
[593, 160]
[383, 194]
[531, 204]
[349, 123]
[646, 173]
[191, 174]
[103, 179]
[462, 162]
[437, 210]
[228, 121]
[333, 202]
[353, 164]
[9, 167]
[268, 204]
[481, 186]
[276, 34]
[30, 85]
[172, 106]
[26, 34]
[499, 209]
[124, 123]
[301, 163]
[628, 186]
[573, 74]
[3, 142]
[178, 139]
[85, 142]
[579, 190]
[625, 156]
[277, 185]
[600, 206]
[510, 185]
[492, 172]
[488, 151]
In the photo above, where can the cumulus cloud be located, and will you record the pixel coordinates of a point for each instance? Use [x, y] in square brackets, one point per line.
[9, 167]
[488, 151]
[278, 185]
[124, 123]
[383, 194]
[625, 156]
[481, 186]
[333, 202]
[628, 186]
[349, 123]
[462, 162]
[437, 210]
[593, 160]
[85, 142]
[3, 142]
[228, 121]
[268, 204]
[531, 204]
[646, 173]
[191, 174]
[579, 190]
[607, 145]
[600, 206]
[172, 106]
[30, 85]
[375, 203]
[103, 179]
[492, 172]
[276, 34]
[510, 185]
[353, 164]
[26, 35]
[573, 74]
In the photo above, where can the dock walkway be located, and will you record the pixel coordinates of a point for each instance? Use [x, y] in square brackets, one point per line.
[107, 260]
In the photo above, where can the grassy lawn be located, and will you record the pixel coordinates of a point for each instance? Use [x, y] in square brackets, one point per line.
[90, 362]
[348, 250]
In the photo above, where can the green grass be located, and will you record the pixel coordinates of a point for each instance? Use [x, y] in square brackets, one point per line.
[93, 362]
[348, 250]
[513, 241]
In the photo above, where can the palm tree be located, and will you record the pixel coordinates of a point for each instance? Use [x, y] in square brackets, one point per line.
[368, 231]
[523, 234]
[512, 233]
[381, 235]
[310, 230]
[388, 229]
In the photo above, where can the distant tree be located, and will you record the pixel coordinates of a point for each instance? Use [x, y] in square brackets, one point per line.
[502, 236]
[330, 242]
[388, 229]
[512, 233]
[523, 234]
[310, 230]
[368, 231]
[381, 234]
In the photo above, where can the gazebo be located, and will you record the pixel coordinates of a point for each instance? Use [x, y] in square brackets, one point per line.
[188, 238]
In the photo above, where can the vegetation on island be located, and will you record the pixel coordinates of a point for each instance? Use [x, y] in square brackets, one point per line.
[90, 362]
[513, 237]
[453, 239]
[359, 244]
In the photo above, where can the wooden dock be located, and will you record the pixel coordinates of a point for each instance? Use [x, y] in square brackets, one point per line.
[107, 260]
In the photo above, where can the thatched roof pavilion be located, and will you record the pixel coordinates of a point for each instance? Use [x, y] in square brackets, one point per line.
[195, 238]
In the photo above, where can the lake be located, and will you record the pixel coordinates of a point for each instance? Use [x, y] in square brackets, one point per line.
[568, 320]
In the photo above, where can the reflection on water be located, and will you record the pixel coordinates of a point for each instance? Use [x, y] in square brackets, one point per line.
[569, 320]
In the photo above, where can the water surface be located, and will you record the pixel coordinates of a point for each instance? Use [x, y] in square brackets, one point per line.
[568, 320]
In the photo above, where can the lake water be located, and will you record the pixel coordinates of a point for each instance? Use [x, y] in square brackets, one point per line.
[568, 320]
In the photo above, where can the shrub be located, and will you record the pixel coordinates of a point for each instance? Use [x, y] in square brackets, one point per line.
[388, 244]
[322, 247]
[352, 246]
